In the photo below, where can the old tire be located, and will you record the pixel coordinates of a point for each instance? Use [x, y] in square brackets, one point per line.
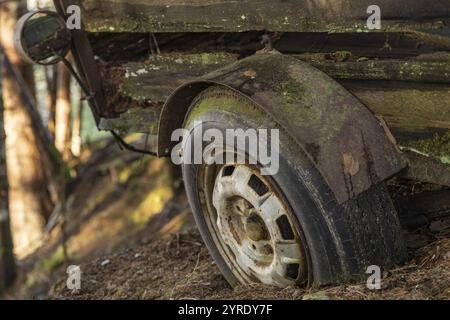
[335, 243]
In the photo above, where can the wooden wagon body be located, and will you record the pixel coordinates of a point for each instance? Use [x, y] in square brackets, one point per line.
[401, 72]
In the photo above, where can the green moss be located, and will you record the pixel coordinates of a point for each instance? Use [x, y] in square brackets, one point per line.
[437, 147]
[142, 16]
[414, 70]
[225, 102]
[291, 92]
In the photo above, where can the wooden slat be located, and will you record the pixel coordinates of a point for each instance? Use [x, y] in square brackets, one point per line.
[272, 15]
[414, 70]
[412, 111]
[412, 95]
[426, 169]
[136, 120]
[151, 83]
[158, 77]
[363, 44]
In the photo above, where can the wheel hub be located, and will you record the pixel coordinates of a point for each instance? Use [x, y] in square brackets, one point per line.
[255, 229]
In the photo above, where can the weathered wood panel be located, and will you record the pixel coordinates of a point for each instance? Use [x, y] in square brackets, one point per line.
[136, 120]
[272, 15]
[412, 95]
[411, 108]
[427, 169]
[159, 76]
[337, 66]
[363, 44]
[150, 83]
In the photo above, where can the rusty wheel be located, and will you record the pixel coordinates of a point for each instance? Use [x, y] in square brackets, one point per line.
[286, 228]
[253, 226]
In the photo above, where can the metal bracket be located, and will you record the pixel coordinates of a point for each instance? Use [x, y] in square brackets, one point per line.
[86, 65]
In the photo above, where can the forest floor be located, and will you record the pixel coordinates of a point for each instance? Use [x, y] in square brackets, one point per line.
[129, 227]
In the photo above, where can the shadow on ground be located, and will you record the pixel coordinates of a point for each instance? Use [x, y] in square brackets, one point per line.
[129, 226]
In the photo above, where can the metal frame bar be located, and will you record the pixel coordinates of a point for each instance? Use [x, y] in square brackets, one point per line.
[86, 65]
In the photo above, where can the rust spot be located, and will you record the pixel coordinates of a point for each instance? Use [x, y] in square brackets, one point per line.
[351, 166]
[235, 234]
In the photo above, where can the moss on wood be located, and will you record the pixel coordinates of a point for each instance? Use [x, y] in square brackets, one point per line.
[437, 147]
[159, 76]
[342, 65]
[134, 120]
[238, 16]
[411, 111]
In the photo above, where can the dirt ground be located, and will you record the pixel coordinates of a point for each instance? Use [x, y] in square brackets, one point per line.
[129, 227]
[181, 268]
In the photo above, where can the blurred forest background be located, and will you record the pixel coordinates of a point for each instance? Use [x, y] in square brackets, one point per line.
[57, 171]
[44, 132]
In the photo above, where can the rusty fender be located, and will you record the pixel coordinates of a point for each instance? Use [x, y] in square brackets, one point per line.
[343, 139]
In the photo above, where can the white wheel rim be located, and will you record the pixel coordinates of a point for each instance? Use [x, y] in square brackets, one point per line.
[255, 229]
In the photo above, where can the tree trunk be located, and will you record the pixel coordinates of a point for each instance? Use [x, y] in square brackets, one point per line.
[51, 78]
[76, 130]
[34, 171]
[7, 263]
[63, 113]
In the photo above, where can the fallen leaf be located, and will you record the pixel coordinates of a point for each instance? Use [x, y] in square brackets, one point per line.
[351, 166]
[321, 295]
[250, 73]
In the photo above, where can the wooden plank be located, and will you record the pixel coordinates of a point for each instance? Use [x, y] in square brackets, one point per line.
[155, 79]
[131, 46]
[344, 66]
[411, 110]
[145, 86]
[271, 15]
[437, 147]
[412, 95]
[135, 120]
[363, 44]
[425, 169]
